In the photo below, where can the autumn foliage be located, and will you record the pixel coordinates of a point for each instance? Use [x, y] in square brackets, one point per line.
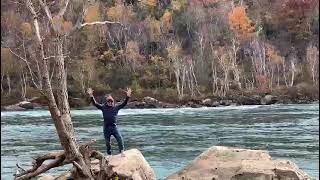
[240, 22]
[93, 13]
[230, 45]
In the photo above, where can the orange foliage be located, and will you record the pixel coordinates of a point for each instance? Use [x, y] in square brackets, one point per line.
[152, 3]
[240, 22]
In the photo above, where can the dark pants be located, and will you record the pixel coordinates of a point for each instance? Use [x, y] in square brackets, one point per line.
[112, 130]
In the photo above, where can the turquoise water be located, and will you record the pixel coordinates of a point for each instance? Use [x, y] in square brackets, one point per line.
[170, 138]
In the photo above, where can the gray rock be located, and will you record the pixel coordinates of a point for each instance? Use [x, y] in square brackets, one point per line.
[196, 105]
[245, 100]
[207, 102]
[150, 100]
[26, 105]
[215, 104]
[221, 162]
[268, 99]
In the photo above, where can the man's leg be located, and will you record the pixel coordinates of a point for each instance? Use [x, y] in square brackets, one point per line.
[119, 139]
[107, 137]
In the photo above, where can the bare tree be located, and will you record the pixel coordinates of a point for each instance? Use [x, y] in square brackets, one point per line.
[58, 105]
[312, 58]
[293, 69]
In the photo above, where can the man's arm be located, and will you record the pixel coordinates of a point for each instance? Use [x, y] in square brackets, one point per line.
[94, 102]
[124, 103]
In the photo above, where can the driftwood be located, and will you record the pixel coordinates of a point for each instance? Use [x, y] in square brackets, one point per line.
[59, 159]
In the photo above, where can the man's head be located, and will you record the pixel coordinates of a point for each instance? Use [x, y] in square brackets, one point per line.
[109, 100]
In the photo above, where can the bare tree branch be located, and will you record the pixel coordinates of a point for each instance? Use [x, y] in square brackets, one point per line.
[28, 65]
[99, 23]
[63, 10]
[58, 160]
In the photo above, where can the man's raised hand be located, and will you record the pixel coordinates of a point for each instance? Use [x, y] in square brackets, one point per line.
[90, 92]
[129, 92]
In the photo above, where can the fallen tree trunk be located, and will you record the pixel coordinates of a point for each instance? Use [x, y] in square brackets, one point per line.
[59, 159]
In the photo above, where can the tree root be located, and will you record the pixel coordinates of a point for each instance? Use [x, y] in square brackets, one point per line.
[59, 159]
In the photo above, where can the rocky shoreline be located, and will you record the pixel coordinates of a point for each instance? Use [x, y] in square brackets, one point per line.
[148, 102]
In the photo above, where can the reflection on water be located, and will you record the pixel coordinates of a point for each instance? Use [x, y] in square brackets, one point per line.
[170, 138]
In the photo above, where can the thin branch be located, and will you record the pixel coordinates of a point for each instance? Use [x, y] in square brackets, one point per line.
[58, 160]
[48, 57]
[16, 54]
[63, 10]
[46, 9]
[77, 166]
[42, 168]
[99, 23]
[28, 65]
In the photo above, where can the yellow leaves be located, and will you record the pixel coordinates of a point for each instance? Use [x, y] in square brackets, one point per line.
[154, 29]
[120, 13]
[166, 22]
[93, 13]
[152, 3]
[26, 29]
[240, 22]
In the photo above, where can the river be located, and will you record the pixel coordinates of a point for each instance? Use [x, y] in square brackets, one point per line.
[170, 138]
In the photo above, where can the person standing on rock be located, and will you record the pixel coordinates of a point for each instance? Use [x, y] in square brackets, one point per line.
[110, 112]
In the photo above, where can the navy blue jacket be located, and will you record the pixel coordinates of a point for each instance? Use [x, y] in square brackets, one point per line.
[109, 112]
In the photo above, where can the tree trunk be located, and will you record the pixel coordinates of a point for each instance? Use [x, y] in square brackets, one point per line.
[183, 80]
[23, 83]
[177, 74]
[60, 112]
[9, 83]
[271, 79]
[2, 76]
[293, 69]
[278, 80]
[284, 74]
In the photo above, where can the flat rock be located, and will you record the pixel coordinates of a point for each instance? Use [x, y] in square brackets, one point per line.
[226, 163]
[132, 166]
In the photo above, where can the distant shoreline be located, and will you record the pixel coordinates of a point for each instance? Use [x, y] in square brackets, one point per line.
[163, 105]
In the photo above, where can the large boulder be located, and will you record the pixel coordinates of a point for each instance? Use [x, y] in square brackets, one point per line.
[14, 107]
[26, 105]
[132, 166]
[246, 100]
[23, 105]
[225, 163]
[207, 102]
[77, 102]
[268, 99]
[150, 100]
